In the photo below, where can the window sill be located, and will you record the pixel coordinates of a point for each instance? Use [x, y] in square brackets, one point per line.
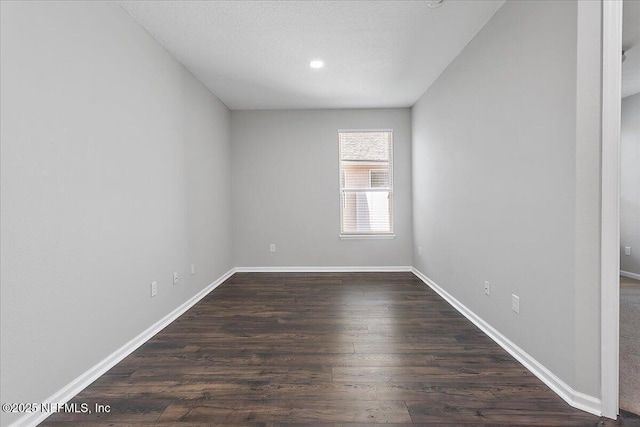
[367, 236]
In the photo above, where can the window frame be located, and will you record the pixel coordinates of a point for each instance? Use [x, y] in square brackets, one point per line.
[367, 235]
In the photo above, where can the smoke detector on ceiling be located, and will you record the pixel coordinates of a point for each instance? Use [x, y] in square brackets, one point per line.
[434, 3]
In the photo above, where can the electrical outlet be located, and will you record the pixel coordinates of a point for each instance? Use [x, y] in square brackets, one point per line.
[487, 288]
[627, 250]
[154, 289]
[272, 247]
[419, 250]
[515, 303]
[193, 269]
[175, 278]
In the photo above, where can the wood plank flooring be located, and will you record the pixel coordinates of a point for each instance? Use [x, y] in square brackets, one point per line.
[353, 349]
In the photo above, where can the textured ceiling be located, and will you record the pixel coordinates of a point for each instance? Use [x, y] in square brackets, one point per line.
[631, 44]
[255, 54]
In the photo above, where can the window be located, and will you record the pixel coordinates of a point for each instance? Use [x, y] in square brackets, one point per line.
[366, 183]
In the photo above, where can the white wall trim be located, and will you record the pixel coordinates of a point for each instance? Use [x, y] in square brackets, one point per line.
[67, 392]
[574, 398]
[630, 275]
[610, 213]
[337, 269]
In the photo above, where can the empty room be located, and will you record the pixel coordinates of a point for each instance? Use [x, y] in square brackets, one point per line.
[319, 213]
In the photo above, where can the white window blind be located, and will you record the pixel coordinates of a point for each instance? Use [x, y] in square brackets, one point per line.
[366, 182]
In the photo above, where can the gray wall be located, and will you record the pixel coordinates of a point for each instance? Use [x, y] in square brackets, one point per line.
[285, 188]
[630, 184]
[115, 172]
[502, 157]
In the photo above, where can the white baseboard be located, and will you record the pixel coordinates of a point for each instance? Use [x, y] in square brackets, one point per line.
[339, 269]
[574, 398]
[80, 383]
[630, 275]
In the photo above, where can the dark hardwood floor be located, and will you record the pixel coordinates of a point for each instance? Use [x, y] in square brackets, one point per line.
[323, 350]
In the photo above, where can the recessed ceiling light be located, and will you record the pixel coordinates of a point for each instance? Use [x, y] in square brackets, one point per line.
[434, 3]
[316, 63]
